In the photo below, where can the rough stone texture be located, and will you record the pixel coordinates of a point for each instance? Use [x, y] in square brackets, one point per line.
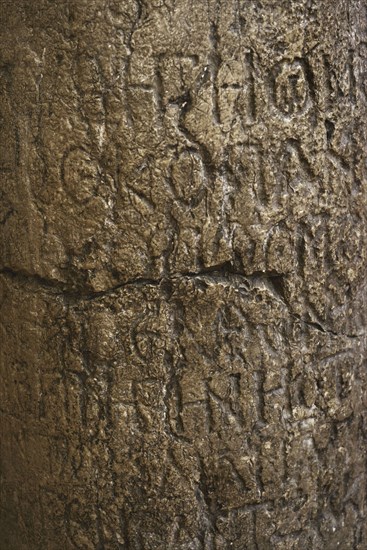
[183, 259]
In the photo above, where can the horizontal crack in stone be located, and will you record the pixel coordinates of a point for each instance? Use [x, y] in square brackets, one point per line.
[218, 274]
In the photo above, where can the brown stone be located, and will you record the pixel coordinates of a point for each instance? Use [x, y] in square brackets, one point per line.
[182, 286]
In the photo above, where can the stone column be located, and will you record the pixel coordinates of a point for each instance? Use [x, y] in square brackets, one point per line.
[183, 280]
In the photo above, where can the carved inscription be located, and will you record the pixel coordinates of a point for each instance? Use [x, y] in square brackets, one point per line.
[183, 283]
[290, 92]
[8, 134]
[236, 92]
[80, 175]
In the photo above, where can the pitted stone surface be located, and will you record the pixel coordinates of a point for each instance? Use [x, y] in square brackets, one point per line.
[183, 259]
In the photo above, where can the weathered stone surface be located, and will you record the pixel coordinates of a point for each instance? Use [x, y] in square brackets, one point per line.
[183, 257]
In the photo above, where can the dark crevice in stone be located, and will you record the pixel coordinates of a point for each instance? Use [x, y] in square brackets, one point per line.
[221, 273]
[324, 329]
[224, 274]
[61, 288]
